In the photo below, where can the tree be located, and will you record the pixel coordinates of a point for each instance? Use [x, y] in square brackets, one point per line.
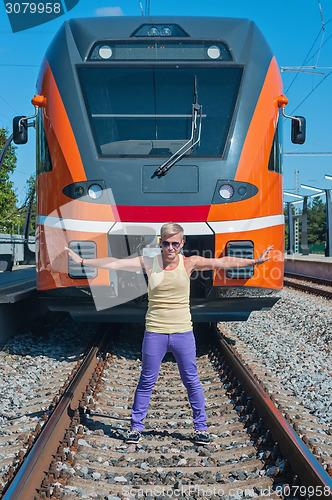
[30, 204]
[12, 217]
[317, 222]
[8, 199]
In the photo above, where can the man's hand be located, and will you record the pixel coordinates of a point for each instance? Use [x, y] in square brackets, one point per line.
[264, 257]
[74, 256]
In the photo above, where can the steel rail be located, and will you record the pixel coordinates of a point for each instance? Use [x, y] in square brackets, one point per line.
[308, 288]
[312, 279]
[30, 475]
[301, 460]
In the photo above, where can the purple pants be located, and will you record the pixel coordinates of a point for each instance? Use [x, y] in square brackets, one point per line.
[154, 348]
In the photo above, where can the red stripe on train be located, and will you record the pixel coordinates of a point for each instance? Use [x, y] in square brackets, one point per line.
[161, 214]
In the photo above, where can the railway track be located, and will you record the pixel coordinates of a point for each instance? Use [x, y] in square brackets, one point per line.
[35, 369]
[254, 451]
[310, 284]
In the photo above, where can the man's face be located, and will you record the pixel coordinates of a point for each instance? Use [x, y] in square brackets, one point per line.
[171, 245]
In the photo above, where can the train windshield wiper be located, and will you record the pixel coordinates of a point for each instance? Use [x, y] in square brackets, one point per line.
[196, 127]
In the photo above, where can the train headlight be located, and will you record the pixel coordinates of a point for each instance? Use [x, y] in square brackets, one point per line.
[226, 191]
[105, 52]
[153, 31]
[95, 191]
[213, 52]
[166, 31]
[79, 191]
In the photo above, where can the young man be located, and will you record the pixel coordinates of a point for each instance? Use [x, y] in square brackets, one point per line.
[168, 325]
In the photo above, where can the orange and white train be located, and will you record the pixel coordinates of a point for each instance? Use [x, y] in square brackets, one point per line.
[146, 120]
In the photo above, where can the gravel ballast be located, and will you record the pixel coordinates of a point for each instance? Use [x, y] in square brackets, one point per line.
[294, 341]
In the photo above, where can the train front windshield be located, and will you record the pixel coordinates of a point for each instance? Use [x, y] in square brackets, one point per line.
[148, 111]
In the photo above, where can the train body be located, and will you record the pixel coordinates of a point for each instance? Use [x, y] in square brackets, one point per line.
[149, 120]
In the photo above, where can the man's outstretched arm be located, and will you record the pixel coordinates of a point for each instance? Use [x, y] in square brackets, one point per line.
[204, 264]
[126, 264]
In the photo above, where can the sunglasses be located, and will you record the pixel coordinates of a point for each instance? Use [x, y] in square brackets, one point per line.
[175, 244]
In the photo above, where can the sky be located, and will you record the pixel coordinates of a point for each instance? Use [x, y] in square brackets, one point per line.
[299, 33]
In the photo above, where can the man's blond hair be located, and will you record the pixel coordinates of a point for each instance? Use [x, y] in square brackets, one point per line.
[170, 229]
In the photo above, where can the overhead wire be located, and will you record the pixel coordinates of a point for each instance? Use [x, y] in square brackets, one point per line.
[321, 14]
[318, 84]
[20, 65]
[6, 119]
[305, 60]
[327, 39]
[322, 29]
[312, 46]
[8, 104]
[320, 47]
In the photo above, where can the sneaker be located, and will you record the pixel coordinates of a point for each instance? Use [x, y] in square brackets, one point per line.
[133, 437]
[201, 437]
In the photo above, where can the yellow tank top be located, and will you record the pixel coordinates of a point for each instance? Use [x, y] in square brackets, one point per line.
[168, 293]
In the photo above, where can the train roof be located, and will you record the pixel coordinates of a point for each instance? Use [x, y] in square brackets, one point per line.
[239, 34]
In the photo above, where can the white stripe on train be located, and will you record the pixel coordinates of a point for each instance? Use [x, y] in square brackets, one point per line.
[140, 228]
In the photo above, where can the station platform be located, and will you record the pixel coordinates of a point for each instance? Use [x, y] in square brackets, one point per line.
[317, 266]
[17, 284]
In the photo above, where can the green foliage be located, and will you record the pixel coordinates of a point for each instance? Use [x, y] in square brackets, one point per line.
[317, 222]
[30, 204]
[8, 197]
[12, 217]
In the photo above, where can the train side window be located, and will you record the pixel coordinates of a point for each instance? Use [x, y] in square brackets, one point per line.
[43, 156]
[275, 160]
